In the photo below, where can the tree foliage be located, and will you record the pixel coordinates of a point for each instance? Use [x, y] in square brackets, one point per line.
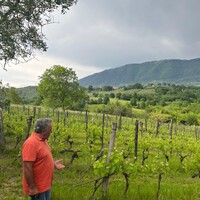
[4, 102]
[58, 87]
[3, 90]
[13, 97]
[21, 23]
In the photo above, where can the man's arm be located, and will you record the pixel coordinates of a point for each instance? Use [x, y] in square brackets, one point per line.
[28, 174]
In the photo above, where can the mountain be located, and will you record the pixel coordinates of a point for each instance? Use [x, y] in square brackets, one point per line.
[28, 94]
[174, 71]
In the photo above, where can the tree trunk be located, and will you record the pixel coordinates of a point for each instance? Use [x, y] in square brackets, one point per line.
[2, 135]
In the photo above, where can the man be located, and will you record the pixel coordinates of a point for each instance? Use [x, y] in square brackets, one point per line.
[38, 163]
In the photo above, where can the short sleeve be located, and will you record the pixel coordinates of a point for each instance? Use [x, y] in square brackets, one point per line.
[29, 151]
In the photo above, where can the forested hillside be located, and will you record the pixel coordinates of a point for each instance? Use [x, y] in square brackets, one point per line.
[27, 94]
[174, 71]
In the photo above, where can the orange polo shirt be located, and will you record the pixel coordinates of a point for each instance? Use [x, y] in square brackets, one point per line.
[37, 150]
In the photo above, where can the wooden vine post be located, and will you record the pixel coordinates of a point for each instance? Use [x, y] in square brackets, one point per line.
[2, 135]
[102, 132]
[120, 122]
[29, 123]
[65, 118]
[146, 122]
[28, 110]
[58, 116]
[157, 127]
[171, 129]
[23, 108]
[196, 130]
[110, 150]
[136, 140]
[47, 113]
[86, 126]
[39, 112]
[34, 111]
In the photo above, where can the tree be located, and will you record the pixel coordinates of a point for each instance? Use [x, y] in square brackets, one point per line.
[134, 86]
[95, 94]
[13, 97]
[112, 95]
[58, 87]
[21, 23]
[100, 100]
[118, 95]
[107, 88]
[3, 95]
[133, 101]
[106, 100]
[90, 88]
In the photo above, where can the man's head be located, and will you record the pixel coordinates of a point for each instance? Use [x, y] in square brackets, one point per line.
[43, 127]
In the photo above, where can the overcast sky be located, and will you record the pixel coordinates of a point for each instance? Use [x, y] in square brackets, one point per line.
[100, 34]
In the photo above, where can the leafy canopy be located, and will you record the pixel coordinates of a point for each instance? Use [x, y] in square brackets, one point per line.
[58, 87]
[21, 23]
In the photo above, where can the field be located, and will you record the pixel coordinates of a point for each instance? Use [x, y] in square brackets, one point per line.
[148, 159]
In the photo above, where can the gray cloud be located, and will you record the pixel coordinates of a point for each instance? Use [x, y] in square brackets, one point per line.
[104, 34]
[112, 33]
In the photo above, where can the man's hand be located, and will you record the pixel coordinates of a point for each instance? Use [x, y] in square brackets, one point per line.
[33, 190]
[58, 164]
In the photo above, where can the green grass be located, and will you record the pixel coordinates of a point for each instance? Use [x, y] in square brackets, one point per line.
[10, 175]
[76, 181]
[140, 189]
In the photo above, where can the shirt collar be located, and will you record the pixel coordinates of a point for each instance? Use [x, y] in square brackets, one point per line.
[37, 136]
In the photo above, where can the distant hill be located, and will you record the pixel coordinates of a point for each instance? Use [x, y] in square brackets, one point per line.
[28, 93]
[174, 71]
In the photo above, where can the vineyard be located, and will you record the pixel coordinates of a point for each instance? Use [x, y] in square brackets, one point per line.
[106, 157]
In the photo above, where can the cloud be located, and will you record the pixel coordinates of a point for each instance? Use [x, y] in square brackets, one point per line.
[27, 74]
[108, 34]
[97, 35]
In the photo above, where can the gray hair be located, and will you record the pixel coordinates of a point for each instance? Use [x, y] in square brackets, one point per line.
[42, 124]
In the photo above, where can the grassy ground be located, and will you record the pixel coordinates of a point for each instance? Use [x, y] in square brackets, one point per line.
[10, 175]
[74, 182]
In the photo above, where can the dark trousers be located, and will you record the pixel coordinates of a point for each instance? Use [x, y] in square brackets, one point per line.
[42, 196]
